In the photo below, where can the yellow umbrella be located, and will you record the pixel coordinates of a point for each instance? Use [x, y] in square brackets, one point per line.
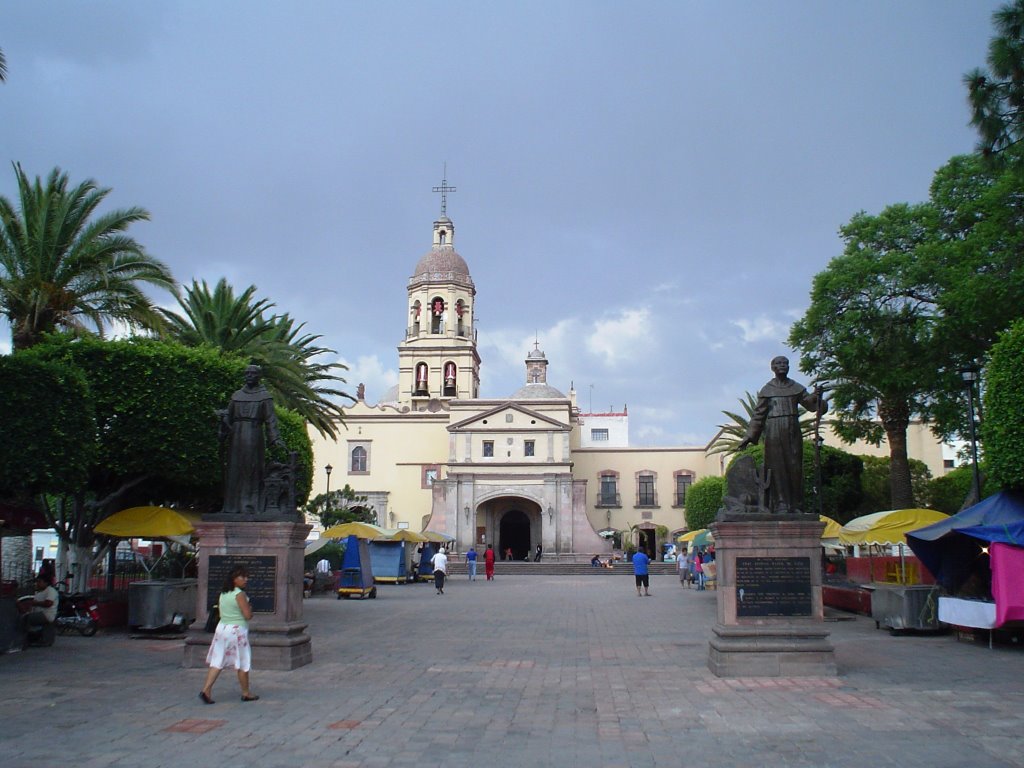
[148, 523]
[357, 529]
[690, 535]
[889, 527]
[404, 534]
[831, 527]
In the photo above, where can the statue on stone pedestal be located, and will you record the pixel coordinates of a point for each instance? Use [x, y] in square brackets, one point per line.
[250, 412]
[777, 418]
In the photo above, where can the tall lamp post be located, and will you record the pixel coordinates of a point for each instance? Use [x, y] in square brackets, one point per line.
[328, 469]
[970, 377]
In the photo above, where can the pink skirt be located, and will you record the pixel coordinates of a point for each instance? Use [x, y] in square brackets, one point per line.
[230, 648]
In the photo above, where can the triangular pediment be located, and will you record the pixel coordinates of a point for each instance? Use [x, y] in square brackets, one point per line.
[524, 419]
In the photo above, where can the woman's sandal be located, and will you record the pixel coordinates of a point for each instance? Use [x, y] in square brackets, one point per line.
[205, 699]
[250, 698]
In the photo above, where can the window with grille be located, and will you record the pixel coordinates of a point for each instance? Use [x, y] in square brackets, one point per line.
[599, 435]
[528, 448]
[645, 491]
[683, 483]
[488, 447]
[609, 493]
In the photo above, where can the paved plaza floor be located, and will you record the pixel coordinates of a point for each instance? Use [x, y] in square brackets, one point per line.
[523, 671]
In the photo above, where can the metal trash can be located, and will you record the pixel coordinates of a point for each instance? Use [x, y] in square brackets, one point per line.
[905, 606]
[155, 604]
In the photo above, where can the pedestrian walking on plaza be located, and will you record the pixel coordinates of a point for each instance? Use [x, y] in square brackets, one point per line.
[489, 562]
[231, 639]
[440, 563]
[471, 564]
[508, 553]
[540, 551]
[698, 569]
[641, 571]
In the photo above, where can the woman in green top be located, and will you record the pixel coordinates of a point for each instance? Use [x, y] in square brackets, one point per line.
[231, 640]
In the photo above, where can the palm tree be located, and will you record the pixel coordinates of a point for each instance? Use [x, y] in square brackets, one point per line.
[3, 67]
[733, 432]
[64, 268]
[240, 325]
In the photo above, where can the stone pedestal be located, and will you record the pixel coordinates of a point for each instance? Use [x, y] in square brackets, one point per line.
[770, 613]
[273, 553]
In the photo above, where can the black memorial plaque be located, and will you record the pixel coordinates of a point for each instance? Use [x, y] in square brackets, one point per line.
[262, 576]
[773, 586]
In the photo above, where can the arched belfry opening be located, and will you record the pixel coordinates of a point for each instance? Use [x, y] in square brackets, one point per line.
[450, 388]
[514, 534]
[437, 315]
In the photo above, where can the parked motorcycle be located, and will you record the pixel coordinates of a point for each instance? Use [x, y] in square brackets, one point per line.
[78, 612]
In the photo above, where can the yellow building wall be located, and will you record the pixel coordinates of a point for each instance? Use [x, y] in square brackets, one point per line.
[589, 463]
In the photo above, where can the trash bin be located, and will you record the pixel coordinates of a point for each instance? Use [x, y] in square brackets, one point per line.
[162, 603]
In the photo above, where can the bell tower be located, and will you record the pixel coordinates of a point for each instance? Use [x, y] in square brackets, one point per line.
[438, 360]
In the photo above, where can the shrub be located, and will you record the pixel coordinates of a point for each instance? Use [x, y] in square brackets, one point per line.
[1003, 428]
[703, 500]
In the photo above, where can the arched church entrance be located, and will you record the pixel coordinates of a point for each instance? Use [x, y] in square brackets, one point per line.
[514, 534]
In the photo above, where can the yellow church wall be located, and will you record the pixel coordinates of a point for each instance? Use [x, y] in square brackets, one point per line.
[402, 448]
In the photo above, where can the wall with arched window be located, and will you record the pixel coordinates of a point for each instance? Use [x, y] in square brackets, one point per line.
[358, 458]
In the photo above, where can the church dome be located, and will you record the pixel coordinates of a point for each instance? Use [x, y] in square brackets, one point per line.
[537, 391]
[442, 262]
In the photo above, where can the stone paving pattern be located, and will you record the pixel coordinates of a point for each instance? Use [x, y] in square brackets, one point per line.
[523, 671]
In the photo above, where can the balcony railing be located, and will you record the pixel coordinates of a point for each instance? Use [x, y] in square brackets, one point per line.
[647, 499]
[606, 499]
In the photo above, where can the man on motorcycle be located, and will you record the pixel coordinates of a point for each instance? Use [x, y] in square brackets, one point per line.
[41, 609]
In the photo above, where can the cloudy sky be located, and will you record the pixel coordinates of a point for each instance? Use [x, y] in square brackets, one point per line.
[649, 187]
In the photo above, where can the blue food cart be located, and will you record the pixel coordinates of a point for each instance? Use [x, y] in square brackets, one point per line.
[356, 577]
[390, 561]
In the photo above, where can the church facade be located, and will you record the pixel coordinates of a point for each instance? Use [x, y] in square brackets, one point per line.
[516, 472]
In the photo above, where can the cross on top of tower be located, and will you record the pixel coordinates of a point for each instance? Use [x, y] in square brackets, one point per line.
[444, 189]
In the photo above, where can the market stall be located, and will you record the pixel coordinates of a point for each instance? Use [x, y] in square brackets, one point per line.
[978, 556]
[901, 602]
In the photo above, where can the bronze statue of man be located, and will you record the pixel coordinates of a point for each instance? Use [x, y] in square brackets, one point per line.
[777, 417]
[250, 412]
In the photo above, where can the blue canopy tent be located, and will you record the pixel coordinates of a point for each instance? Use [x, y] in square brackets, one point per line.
[953, 549]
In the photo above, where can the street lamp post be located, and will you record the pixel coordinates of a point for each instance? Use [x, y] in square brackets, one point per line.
[970, 377]
[328, 469]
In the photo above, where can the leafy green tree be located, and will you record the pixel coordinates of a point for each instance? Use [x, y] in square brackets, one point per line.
[64, 266]
[948, 492]
[869, 331]
[1003, 428]
[703, 500]
[45, 410]
[996, 95]
[877, 490]
[974, 270]
[155, 439]
[341, 506]
[241, 325]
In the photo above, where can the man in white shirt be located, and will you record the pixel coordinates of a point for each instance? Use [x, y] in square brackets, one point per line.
[41, 609]
[440, 564]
